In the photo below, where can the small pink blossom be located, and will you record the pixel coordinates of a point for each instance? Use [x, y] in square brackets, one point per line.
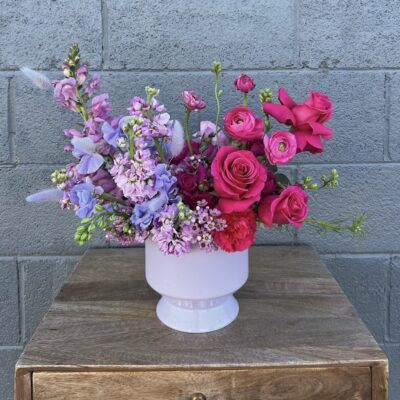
[192, 100]
[244, 83]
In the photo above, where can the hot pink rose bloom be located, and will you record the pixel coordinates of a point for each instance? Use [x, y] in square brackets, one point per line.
[290, 207]
[244, 83]
[307, 119]
[280, 148]
[242, 124]
[238, 178]
[192, 100]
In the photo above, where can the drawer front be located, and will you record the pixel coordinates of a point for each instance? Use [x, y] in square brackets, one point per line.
[253, 384]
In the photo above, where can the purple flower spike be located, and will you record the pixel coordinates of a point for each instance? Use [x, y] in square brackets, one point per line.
[90, 161]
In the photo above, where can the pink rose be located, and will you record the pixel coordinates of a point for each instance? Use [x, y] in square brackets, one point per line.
[244, 83]
[192, 100]
[242, 124]
[289, 207]
[307, 119]
[238, 178]
[280, 148]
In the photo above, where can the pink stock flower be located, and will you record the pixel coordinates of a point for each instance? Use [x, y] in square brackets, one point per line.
[81, 74]
[289, 207]
[238, 178]
[244, 83]
[65, 92]
[100, 107]
[93, 85]
[192, 100]
[307, 119]
[242, 124]
[280, 148]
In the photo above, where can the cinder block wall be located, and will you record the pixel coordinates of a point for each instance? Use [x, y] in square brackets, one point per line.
[346, 48]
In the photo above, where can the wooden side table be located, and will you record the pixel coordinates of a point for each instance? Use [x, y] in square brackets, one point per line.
[297, 337]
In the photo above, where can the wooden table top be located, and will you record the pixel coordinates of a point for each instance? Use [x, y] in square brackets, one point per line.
[292, 313]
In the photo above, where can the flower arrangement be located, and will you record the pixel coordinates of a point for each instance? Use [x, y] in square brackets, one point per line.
[142, 176]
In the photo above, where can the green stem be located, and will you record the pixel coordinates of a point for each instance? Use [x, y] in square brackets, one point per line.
[218, 107]
[187, 134]
[356, 227]
[131, 146]
[245, 99]
[160, 150]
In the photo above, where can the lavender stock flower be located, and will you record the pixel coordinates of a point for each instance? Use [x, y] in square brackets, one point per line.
[93, 85]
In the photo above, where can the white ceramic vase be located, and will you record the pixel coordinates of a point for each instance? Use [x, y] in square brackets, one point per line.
[196, 288]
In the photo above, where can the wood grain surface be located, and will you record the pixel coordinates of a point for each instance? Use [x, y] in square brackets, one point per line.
[296, 333]
[292, 312]
[251, 384]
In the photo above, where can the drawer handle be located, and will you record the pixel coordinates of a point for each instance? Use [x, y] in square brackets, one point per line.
[198, 396]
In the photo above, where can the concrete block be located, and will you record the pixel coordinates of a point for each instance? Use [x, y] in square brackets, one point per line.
[181, 35]
[38, 34]
[345, 33]
[364, 281]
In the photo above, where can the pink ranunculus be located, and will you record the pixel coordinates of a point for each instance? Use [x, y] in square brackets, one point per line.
[192, 100]
[238, 178]
[244, 83]
[242, 124]
[289, 207]
[280, 148]
[307, 119]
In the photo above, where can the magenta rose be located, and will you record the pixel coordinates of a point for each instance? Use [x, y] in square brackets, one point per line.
[307, 119]
[242, 124]
[192, 100]
[187, 182]
[238, 178]
[280, 148]
[244, 83]
[289, 207]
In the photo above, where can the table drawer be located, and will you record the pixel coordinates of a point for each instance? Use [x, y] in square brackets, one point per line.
[251, 384]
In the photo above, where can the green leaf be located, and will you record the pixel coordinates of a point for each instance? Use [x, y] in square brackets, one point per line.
[282, 180]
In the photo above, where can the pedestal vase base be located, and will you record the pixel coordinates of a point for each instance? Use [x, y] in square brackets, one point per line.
[197, 316]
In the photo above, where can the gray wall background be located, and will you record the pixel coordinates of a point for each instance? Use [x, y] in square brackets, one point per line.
[349, 49]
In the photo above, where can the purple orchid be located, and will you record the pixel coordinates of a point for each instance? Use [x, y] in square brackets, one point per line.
[90, 161]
